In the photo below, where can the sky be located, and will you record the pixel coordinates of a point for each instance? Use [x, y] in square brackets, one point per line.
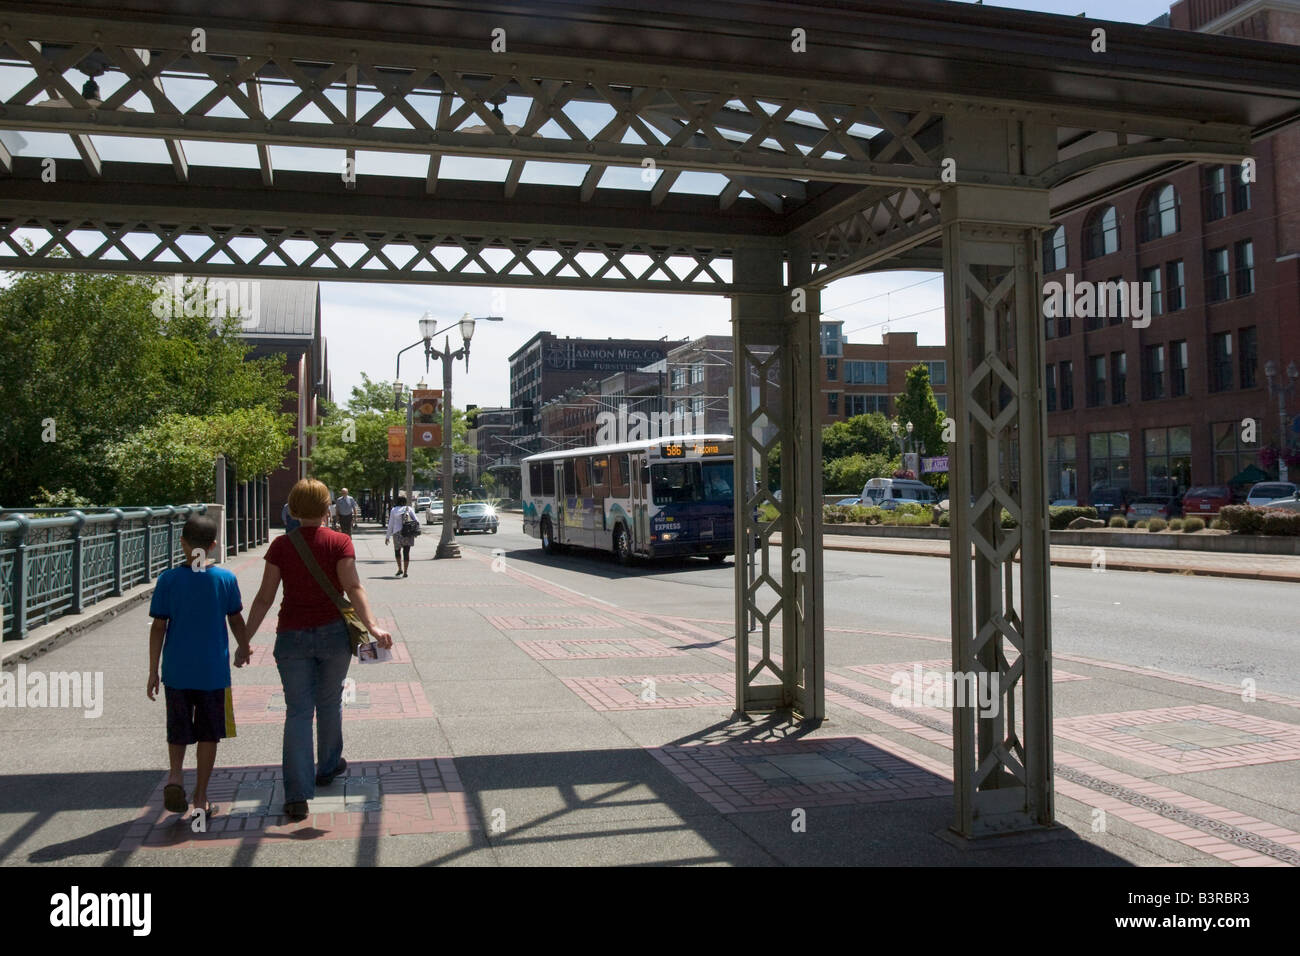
[367, 323]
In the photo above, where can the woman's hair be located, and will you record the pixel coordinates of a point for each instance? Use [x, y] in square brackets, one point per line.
[401, 499]
[309, 499]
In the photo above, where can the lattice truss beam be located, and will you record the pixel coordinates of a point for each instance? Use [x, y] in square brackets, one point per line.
[886, 223]
[199, 248]
[767, 136]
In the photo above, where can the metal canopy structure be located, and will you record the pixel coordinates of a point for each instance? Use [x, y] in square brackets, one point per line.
[754, 149]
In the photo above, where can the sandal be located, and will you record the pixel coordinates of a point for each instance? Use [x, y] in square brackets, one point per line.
[174, 800]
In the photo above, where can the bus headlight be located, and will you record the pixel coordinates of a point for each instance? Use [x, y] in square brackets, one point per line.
[668, 535]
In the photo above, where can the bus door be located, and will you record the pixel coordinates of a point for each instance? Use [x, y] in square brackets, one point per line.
[563, 491]
[640, 502]
[599, 500]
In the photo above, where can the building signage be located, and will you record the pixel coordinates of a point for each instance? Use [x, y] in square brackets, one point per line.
[584, 357]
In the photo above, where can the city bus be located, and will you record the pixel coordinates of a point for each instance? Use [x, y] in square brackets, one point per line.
[654, 498]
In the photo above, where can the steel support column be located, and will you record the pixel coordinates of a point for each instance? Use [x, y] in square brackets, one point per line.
[775, 339]
[1002, 753]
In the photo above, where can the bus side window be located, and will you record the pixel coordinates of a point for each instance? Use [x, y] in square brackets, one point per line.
[599, 471]
[584, 477]
[570, 479]
[548, 479]
[534, 478]
[618, 476]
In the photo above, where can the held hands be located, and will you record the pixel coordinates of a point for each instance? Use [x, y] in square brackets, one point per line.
[242, 655]
[152, 687]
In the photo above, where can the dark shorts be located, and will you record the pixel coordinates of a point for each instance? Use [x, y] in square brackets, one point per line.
[197, 716]
[345, 523]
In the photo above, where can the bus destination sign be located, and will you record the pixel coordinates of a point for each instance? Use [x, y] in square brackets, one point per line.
[695, 449]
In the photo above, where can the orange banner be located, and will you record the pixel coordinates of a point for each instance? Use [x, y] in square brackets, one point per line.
[396, 443]
[426, 415]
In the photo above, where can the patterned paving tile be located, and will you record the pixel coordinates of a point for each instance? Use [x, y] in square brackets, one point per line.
[885, 672]
[264, 703]
[782, 775]
[374, 798]
[654, 692]
[582, 649]
[538, 622]
[1186, 739]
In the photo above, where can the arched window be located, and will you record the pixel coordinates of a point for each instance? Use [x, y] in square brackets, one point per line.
[1159, 213]
[1101, 235]
[1054, 253]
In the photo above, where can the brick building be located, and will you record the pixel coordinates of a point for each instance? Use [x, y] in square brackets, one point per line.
[1158, 408]
[859, 378]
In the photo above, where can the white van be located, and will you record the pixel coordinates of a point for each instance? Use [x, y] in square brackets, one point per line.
[889, 493]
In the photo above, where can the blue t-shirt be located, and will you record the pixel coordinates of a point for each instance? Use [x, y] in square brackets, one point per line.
[196, 653]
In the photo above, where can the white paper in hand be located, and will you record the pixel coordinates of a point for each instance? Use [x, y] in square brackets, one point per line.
[372, 653]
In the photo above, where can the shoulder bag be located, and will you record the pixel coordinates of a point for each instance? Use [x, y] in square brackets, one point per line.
[358, 635]
[410, 527]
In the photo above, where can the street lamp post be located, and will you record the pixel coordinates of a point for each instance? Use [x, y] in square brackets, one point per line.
[447, 547]
[902, 439]
[1283, 392]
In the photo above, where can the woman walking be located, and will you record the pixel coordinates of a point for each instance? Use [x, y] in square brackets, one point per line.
[312, 650]
[401, 541]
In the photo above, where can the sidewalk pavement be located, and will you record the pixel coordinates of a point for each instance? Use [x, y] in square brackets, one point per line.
[522, 722]
[1262, 567]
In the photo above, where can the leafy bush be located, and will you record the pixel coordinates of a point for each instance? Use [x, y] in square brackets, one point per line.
[1243, 519]
[944, 519]
[1060, 518]
[1218, 524]
[1154, 524]
[1191, 525]
[1142, 525]
[1118, 521]
[1176, 524]
[63, 498]
[1281, 522]
[1007, 520]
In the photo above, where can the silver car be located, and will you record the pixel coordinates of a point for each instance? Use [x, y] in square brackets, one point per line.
[476, 516]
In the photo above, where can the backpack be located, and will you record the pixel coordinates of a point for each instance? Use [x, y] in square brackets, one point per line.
[410, 527]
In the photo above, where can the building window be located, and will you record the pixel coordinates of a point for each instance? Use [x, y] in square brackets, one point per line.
[697, 410]
[938, 372]
[833, 403]
[1062, 468]
[1240, 192]
[1118, 378]
[1175, 296]
[1153, 375]
[1216, 193]
[1051, 387]
[1102, 233]
[832, 369]
[1244, 254]
[831, 339]
[1220, 361]
[1116, 302]
[1108, 459]
[1152, 278]
[1248, 356]
[866, 373]
[1054, 257]
[941, 399]
[697, 374]
[865, 404]
[1067, 386]
[1216, 275]
[1096, 380]
[1231, 454]
[1167, 453]
[679, 377]
[1178, 372]
[1160, 213]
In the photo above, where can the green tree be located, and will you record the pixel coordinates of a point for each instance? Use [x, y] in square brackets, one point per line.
[917, 405]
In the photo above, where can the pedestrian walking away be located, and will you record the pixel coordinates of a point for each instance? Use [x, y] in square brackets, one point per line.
[346, 506]
[403, 527]
[312, 648]
[287, 519]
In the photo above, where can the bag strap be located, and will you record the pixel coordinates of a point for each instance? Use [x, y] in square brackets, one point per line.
[309, 559]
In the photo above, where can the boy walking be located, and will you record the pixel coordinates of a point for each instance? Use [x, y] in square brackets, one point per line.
[191, 607]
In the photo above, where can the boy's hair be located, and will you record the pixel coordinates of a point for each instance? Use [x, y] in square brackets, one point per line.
[200, 531]
[309, 499]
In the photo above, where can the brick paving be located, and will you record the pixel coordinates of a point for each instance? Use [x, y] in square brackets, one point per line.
[654, 691]
[362, 700]
[938, 665]
[567, 649]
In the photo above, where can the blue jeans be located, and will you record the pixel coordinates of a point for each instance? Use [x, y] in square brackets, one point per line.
[312, 663]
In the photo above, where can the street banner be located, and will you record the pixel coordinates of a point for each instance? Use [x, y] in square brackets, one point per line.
[930, 466]
[426, 417]
[397, 443]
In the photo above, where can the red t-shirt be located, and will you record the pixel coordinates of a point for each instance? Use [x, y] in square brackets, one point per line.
[305, 604]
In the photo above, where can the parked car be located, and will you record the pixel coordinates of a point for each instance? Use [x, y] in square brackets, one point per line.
[1286, 504]
[433, 513]
[1109, 501]
[1264, 492]
[1154, 506]
[1064, 503]
[848, 501]
[476, 516]
[889, 493]
[1206, 500]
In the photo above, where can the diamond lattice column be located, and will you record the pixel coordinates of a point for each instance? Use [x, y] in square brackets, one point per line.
[775, 341]
[1000, 608]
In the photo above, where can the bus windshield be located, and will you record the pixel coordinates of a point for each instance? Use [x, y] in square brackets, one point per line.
[692, 481]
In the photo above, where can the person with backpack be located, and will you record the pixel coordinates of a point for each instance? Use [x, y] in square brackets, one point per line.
[403, 528]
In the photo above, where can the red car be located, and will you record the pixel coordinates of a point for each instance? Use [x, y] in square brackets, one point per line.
[1206, 500]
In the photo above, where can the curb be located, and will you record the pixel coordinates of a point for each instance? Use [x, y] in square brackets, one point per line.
[1084, 563]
